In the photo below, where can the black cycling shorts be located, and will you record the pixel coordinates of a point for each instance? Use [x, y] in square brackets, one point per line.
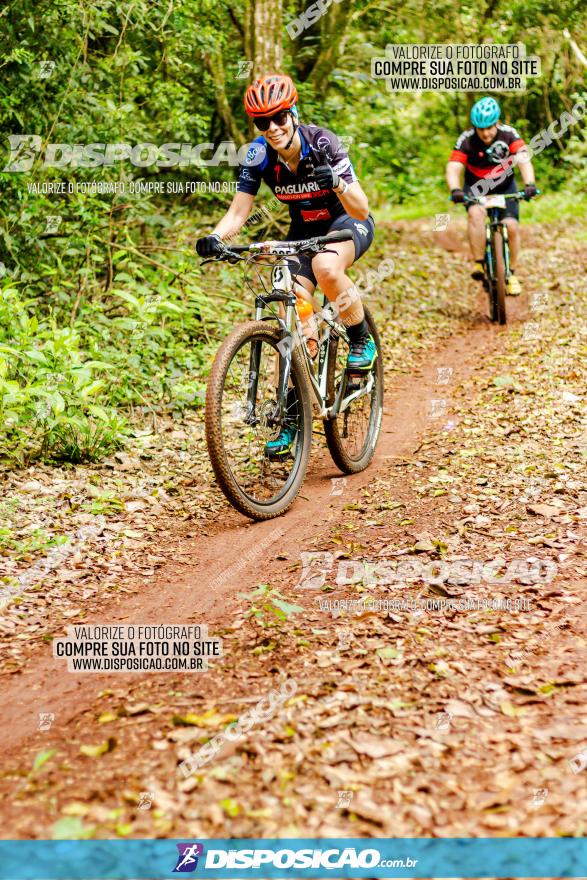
[512, 206]
[363, 234]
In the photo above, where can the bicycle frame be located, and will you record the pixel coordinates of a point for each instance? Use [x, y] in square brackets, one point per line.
[495, 220]
[293, 336]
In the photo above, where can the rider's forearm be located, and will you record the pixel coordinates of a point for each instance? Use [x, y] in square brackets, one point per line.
[236, 216]
[354, 201]
[453, 175]
[231, 224]
[527, 172]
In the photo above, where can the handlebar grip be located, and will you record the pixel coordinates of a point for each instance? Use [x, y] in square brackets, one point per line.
[323, 156]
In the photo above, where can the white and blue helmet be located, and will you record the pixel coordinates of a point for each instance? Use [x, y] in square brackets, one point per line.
[485, 113]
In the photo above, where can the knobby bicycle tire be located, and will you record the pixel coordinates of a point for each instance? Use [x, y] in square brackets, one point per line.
[238, 498]
[334, 440]
[500, 280]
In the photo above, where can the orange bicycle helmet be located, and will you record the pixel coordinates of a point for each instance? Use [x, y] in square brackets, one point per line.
[270, 94]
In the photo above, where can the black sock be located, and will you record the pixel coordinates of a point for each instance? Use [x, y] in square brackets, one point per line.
[358, 331]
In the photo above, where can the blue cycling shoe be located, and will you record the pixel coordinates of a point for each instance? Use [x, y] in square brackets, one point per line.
[362, 354]
[283, 443]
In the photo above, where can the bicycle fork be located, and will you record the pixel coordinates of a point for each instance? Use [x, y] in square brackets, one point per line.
[506, 249]
[281, 292]
[285, 349]
[496, 223]
[489, 251]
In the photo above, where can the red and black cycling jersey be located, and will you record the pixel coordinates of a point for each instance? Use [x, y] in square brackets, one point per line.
[485, 160]
[311, 208]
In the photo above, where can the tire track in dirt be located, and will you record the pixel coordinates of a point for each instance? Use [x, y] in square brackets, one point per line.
[236, 554]
[233, 553]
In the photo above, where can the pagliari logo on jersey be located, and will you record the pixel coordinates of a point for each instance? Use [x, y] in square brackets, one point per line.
[292, 188]
[187, 860]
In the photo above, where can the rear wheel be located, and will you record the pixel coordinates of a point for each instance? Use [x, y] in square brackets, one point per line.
[241, 417]
[500, 277]
[352, 436]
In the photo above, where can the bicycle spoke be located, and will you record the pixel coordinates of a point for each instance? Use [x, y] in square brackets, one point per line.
[355, 421]
[247, 426]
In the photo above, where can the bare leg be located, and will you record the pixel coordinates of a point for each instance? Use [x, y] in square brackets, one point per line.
[476, 228]
[330, 270]
[514, 240]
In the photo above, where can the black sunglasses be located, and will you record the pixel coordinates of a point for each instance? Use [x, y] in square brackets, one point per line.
[263, 122]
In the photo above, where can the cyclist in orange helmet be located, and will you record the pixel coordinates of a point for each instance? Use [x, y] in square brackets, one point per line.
[308, 169]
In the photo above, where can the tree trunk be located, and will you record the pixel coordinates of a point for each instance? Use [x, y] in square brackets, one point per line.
[575, 48]
[333, 34]
[215, 65]
[264, 36]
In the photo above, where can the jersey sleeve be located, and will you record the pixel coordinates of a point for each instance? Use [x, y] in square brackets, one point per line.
[513, 139]
[517, 142]
[338, 158]
[460, 152]
[251, 171]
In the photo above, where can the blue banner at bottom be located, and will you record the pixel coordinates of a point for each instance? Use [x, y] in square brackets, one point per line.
[298, 857]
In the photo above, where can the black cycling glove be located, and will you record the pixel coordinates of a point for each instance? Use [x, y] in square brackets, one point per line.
[530, 191]
[209, 246]
[326, 177]
[457, 196]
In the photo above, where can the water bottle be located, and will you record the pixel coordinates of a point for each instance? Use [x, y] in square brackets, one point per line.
[304, 309]
[306, 315]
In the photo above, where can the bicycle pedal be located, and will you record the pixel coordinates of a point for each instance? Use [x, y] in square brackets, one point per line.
[354, 382]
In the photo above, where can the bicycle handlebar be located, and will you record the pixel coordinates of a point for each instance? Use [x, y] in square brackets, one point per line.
[279, 248]
[520, 196]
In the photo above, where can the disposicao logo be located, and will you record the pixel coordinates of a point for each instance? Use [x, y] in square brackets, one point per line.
[187, 860]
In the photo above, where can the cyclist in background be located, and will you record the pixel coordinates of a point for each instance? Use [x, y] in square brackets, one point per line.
[307, 168]
[482, 150]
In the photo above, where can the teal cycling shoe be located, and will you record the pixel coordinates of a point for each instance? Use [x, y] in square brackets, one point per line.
[283, 443]
[362, 354]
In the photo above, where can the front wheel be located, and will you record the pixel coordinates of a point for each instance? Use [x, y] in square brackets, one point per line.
[499, 281]
[242, 416]
[352, 436]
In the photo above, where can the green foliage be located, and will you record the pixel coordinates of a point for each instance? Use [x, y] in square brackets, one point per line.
[41, 759]
[109, 315]
[268, 606]
[38, 539]
[64, 387]
[49, 393]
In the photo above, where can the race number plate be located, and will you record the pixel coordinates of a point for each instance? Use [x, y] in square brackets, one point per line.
[494, 202]
[281, 278]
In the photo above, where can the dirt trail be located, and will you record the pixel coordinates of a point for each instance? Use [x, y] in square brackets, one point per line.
[236, 554]
[391, 706]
